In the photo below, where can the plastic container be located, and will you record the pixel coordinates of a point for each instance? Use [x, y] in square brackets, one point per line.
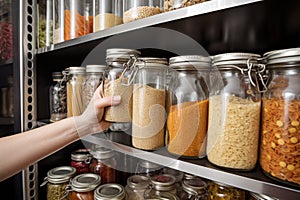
[220, 191]
[58, 20]
[110, 191]
[136, 186]
[193, 189]
[80, 159]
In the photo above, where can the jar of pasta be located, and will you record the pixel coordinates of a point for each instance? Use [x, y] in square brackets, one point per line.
[136, 186]
[280, 138]
[188, 106]
[218, 191]
[110, 191]
[234, 111]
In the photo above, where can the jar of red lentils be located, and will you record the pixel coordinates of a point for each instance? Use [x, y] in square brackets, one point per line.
[280, 137]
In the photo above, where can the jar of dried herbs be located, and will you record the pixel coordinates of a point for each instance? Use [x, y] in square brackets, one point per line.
[222, 191]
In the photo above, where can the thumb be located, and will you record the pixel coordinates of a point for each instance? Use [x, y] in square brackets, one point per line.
[108, 101]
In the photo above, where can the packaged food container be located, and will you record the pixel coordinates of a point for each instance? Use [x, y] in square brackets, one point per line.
[136, 186]
[138, 9]
[78, 18]
[234, 111]
[80, 160]
[110, 191]
[58, 97]
[175, 4]
[218, 190]
[82, 186]
[280, 138]
[107, 13]
[193, 189]
[149, 96]
[104, 164]
[76, 76]
[58, 20]
[148, 168]
[188, 106]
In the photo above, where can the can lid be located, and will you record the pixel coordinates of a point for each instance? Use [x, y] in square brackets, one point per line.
[76, 70]
[102, 153]
[138, 182]
[95, 68]
[150, 62]
[283, 56]
[85, 182]
[119, 53]
[190, 62]
[262, 196]
[109, 191]
[80, 155]
[61, 174]
[163, 182]
[194, 186]
[237, 58]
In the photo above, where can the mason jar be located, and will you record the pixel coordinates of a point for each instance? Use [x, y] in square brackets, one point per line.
[147, 168]
[234, 111]
[222, 191]
[136, 186]
[149, 96]
[80, 159]
[194, 189]
[188, 105]
[178, 177]
[280, 138]
[110, 191]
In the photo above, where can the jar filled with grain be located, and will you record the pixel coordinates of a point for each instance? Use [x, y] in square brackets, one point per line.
[222, 191]
[110, 191]
[194, 189]
[139, 9]
[107, 13]
[188, 105]
[136, 186]
[147, 168]
[176, 4]
[280, 138]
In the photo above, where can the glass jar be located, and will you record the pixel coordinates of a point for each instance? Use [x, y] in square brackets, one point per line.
[136, 186]
[80, 160]
[194, 189]
[58, 97]
[76, 76]
[110, 191]
[6, 31]
[175, 4]
[148, 168]
[107, 13]
[82, 186]
[149, 96]
[188, 109]
[57, 181]
[94, 77]
[234, 112]
[104, 164]
[178, 177]
[280, 138]
[255, 196]
[138, 9]
[78, 18]
[58, 20]
[220, 191]
[116, 60]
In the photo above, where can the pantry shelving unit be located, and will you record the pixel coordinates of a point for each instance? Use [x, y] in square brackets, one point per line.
[218, 25]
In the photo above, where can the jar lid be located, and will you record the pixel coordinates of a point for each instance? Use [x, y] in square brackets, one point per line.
[163, 182]
[262, 196]
[80, 155]
[221, 60]
[194, 186]
[95, 68]
[119, 53]
[76, 70]
[188, 176]
[61, 174]
[288, 56]
[152, 62]
[148, 165]
[85, 182]
[138, 182]
[190, 62]
[109, 191]
[102, 153]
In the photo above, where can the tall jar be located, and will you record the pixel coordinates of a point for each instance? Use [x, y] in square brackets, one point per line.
[78, 18]
[83, 186]
[94, 77]
[76, 76]
[58, 20]
[136, 186]
[234, 112]
[194, 189]
[148, 110]
[80, 160]
[110, 191]
[280, 138]
[188, 107]
[139, 9]
[104, 164]
[220, 191]
[147, 168]
[107, 13]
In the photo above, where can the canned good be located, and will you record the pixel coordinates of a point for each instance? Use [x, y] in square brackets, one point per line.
[136, 186]
[110, 191]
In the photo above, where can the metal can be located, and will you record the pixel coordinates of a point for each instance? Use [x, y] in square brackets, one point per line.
[110, 191]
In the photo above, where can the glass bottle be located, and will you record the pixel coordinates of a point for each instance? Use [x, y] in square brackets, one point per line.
[220, 191]
[188, 108]
[148, 168]
[234, 111]
[110, 191]
[104, 164]
[136, 186]
[194, 189]
[80, 159]
[280, 139]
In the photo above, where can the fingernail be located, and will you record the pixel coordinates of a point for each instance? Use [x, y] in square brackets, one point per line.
[116, 98]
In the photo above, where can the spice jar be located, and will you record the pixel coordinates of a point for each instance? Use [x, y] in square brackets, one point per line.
[82, 186]
[280, 139]
[94, 76]
[136, 186]
[104, 164]
[148, 110]
[234, 111]
[220, 191]
[58, 97]
[57, 181]
[58, 20]
[138, 9]
[148, 168]
[107, 13]
[188, 109]
[76, 76]
[194, 189]
[110, 191]
[80, 160]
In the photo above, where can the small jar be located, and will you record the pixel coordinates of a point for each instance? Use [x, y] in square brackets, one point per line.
[104, 164]
[136, 186]
[110, 191]
[234, 111]
[280, 138]
[82, 186]
[94, 77]
[148, 168]
[76, 76]
[193, 189]
[149, 96]
[80, 159]
[255, 196]
[138, 9]
[188, 107]
[58, 20]
[107, 13]
[57, 181]
[218, 191]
